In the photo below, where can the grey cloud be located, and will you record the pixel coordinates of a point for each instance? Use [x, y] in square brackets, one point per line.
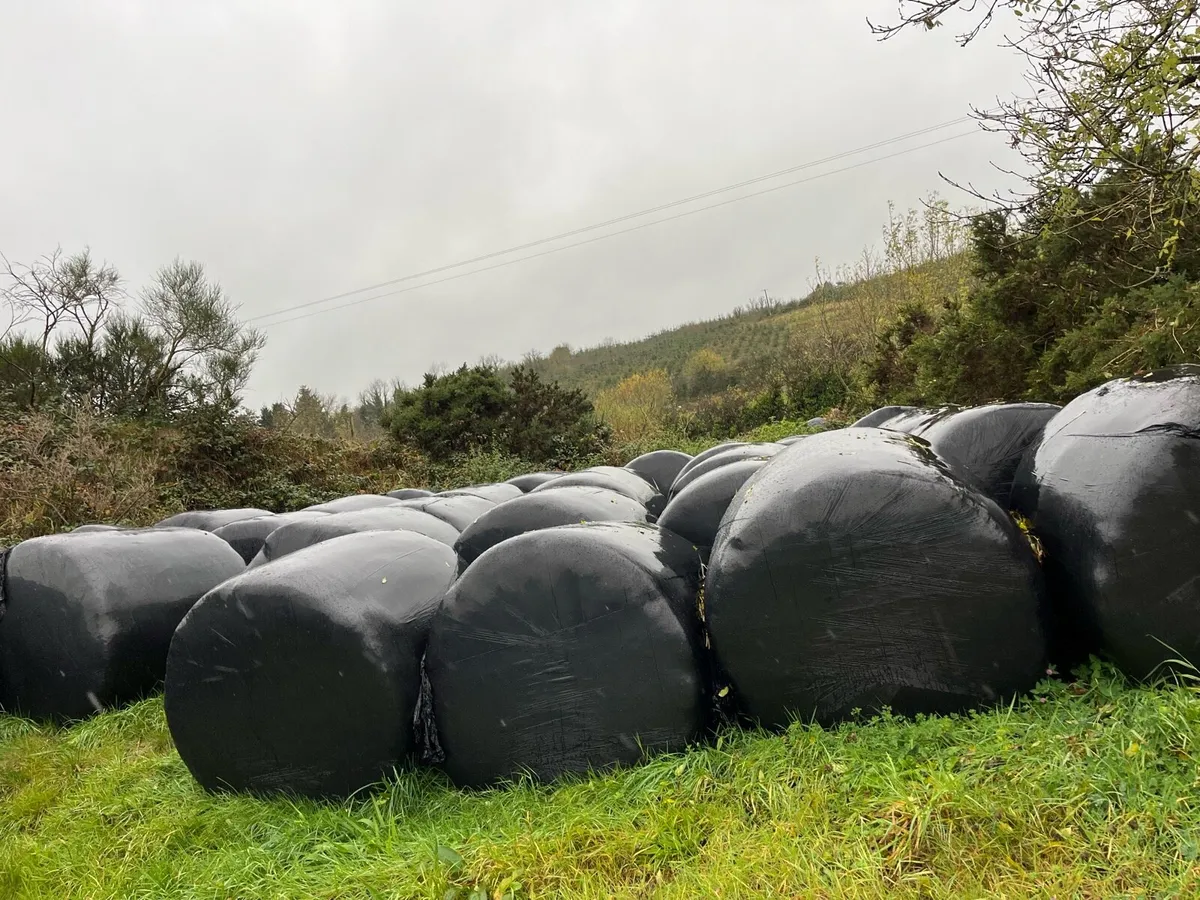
[304, 149]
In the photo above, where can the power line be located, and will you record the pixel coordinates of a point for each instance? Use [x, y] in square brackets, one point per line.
[615, 221]
[611, 234]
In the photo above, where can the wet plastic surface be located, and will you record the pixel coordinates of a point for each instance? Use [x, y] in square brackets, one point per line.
[353, 503]
[985, 444]
[716, 461]
[558, 650]
[791, 439]
[303, 676]
[915, 421]
[89, 529]
[497, 493]
[527, 483]
[878, 417]
[695, 512]
[1113, 493]
[614, 479]
[87, 618]
[247, 536]
[708, 454]
[307, 533]
[458, 511]
[408, 494]
[545, 509]
[854, 570]
[659, 467]
[210, 519]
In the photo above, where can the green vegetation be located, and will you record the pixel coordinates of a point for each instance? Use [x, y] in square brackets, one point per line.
[1086, 789]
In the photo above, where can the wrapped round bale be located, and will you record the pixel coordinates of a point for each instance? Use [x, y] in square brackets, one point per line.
[985, 444]
[545, 509]
[559, 650]
[458, 512]
[695, 513]
[312, 686]
[879, 417]
[527, 483]
[855, 570]
[408, 494]
[717, 460]
[247, 536]
[210, 519]
[497, 493]
[659, 467]
[708, 454]
[791, 439]
[614, 479]
[1112, 491]
[88, 529]
[353, 503]
[86, 619]
[309, 532]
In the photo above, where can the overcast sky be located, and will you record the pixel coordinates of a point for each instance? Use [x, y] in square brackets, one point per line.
[304, 149]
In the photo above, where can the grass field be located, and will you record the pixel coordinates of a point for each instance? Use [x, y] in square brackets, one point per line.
[1084, 790]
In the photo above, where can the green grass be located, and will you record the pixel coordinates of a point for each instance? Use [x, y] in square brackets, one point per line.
[1082, 790]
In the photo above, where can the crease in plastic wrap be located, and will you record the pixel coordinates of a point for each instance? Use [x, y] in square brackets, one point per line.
[985, 444]
[88, 617]
[210, 519]
[1112, 491]
[308, 532]
[545, 509]
[569, 649]
[496, 493]
[304, 676]
[856, 571]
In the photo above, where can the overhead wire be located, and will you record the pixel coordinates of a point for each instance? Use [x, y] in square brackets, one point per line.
[609, 222]
[592, 240]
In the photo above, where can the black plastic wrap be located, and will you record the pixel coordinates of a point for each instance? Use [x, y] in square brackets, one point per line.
[90, 529]
[1113, 493]
[559, 650]
[303, 676]
[717, 460]
[458, 511]
[708, 454]
[497, 493]
[915, 420]
[695, 512]
[659, 467]
[210, 519]
[353, 503]
[247, 536]
[613, 478]
[527, 483]
[985, 444]
[88, 617]
[309, 532]
[545, 509]
[878, 418]
[855, 570]
[791, 439]
[408, 494]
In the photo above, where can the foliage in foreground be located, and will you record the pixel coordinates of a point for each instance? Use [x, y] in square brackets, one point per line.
[1086, 789]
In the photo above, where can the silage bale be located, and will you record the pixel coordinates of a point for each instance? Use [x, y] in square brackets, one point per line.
[614, 479]
[1112, 491]
[497, 493]
[247, 536]
[408, 493]
[877, 418]
[856, 571]
[985, 444]
[86, 618]
[659, 467]
[724, 458]
[353, 503]
[695, 513]
[210, 519]
[310, 532]
[528, 482]
[545, 509]
[313, 685]
[459, 511]
[559, 650]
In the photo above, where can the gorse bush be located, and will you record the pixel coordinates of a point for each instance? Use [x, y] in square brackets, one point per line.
[480, 408]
